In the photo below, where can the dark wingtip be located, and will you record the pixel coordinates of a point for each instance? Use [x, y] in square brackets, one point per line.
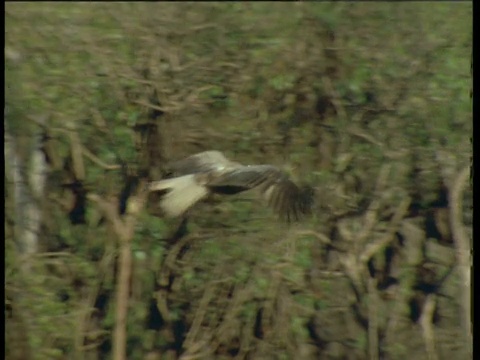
[306, 199]
[301, 206]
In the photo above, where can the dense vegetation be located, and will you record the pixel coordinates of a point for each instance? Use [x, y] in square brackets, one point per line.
[370, 103]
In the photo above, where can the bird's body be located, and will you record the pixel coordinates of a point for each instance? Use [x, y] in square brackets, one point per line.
[199, 175]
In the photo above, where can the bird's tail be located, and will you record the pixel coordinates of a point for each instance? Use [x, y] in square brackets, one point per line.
[180, 193]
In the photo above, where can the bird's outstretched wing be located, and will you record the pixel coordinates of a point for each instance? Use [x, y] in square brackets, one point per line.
[193, 178]
[205, 161]
[288, 200]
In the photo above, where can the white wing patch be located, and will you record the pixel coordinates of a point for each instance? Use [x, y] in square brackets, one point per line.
[183, 192]
[268, 192]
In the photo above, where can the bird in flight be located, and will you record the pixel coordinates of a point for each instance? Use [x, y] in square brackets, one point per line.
[210, 172]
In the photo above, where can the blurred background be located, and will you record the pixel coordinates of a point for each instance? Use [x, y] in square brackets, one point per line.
[370, 103]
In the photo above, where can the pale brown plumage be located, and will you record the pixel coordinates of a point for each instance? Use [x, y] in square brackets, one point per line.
[199, 175]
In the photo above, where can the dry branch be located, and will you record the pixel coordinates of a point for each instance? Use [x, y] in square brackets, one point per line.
[159, 108]
[456, 186]
[193, 333]
[373, 318]
[98, 161]
[373, 248]
[320, 237]
[28, 189]
[77, 159]
[124, 228]
[121, 301]
[462, 243]
[28, 193]
[89, 303]
[427, 328]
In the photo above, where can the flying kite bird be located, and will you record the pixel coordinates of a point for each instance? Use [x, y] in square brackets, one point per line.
[210, 172]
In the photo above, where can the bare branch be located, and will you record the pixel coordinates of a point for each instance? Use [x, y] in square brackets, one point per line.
[189, 342]
[156, 107]
[121, 301]
[363, 135]
[372, 319]
[124, 227]
[462, 243]
[77, 159]
[98, 161]
[28, 188]
[371, 213]
[322, 238]
[426, 324]
[109, 210]
[373, 248]
[327, 83]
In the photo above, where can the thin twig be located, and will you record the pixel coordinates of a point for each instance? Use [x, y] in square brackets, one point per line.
[98, 161]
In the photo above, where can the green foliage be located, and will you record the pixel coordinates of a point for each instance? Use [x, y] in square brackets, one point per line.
[361, 342]
[247, 76]
[217, 96]
[299, 328]
[262, 285]
[305, 300]
[398, 350]
[282, 82]
[304, 258]
[242, 273]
